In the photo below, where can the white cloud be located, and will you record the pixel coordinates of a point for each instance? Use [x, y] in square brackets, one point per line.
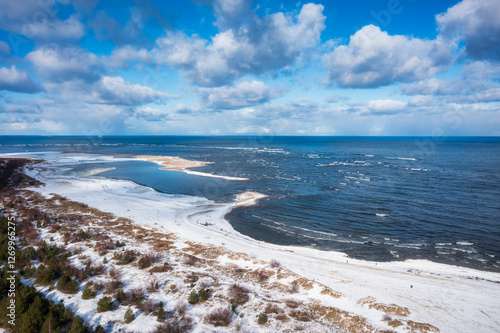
[114, 90]
[436, 87]
[386, 106]
[15, 80]
[122, 57]
[374, 58]
[243, 95]
[259, 45]
[483, 70]
[477, 24]
[151, 114]
[63, 64]
[463, 90]
[39, 21]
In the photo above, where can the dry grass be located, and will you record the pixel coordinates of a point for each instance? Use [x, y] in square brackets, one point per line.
[161, 269]
[293, 304]
[302, 315]
[329, 292]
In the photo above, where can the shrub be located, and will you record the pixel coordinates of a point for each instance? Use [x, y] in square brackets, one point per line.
[238, 294]
[301, 315]
[88, 292]
[275, 263]
[204, 283]
[103, 247]
[261, 276]
[219, 317]
[125, 258]
[204, 295]
[261, 318]
[272, 308]
[148, 306]
[121, 297]
[145, 261]
[67, 285]
[193, 297]
[180, 307]
[294, 287]
[112, 285]
[161, 312]
[190, 260]
[137, 296]
[161, 268]
[182, 325]
[105, 304]
[129, 316]
[114, 273]
[46, 275]
[153, 284]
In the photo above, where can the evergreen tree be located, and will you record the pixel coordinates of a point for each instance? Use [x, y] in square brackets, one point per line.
[77, 326]
[193, 297]
[129, 315]
[161, 312]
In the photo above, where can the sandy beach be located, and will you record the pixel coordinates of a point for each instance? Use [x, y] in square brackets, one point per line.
[450, 298]
[172, 163]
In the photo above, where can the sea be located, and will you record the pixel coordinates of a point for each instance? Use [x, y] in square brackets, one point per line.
[373, 198]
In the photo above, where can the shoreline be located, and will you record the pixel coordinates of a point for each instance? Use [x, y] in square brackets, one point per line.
[247, 198]
[172, 163]
[417, 284]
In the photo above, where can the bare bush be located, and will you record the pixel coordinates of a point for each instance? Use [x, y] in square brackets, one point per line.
[114, 273]
[148, 306]
[180, 307]
[238, 294]
[204, 283]
[104, 246]
[147, 260]
[275, 263]
[219, 317]
[181, 325]
[113, 285]
[153, 284]
[273, 308]
[301, 315]
[190, 260]
[161, 268]
[261, 275]
[294, 287]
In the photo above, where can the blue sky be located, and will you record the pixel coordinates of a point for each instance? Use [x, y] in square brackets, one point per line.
[223, 67]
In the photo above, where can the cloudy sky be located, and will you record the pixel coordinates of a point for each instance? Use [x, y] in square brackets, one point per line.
[218, 67]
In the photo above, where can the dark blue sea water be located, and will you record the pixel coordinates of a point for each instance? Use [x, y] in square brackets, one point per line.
[373, 198]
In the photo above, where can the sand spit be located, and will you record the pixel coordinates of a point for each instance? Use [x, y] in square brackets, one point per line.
[249, 198]
[170, 163]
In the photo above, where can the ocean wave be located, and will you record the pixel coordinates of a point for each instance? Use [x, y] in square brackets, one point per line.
[402, 158]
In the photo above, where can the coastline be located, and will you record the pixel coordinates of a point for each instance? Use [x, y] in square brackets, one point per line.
[435, 293]
[172, 163]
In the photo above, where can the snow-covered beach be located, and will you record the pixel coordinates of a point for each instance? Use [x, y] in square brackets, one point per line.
[451, 298]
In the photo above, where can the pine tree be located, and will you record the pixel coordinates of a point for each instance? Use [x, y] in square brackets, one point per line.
[193, 297]
[129, 315]
[161, 313]
[77, 326]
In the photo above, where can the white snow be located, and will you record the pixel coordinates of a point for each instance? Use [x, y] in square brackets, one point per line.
[454, 299]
